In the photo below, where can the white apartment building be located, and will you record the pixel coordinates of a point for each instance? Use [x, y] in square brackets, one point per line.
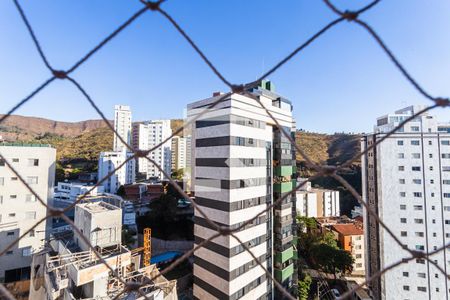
[179, 153]
[241, 163]
[122, 125]
[317, 202]
[19, 209]
[406, 180]
[70, 191]
[107, 162]
[147, 135]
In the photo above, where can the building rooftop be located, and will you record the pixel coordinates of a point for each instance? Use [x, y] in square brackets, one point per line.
[348, 229]
[21, 144]
[96, 207]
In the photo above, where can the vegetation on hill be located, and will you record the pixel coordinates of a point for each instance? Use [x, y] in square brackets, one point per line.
[332, 150]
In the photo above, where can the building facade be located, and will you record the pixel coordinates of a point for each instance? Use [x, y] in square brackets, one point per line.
[107, 162]
[179, 153]
[406, 181]
[317, 202]
[122, 125]
[19, 208]
[351, 239]
[147, 135]
[241, 165]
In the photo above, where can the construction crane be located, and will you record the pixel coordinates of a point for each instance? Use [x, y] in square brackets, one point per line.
[147, 248]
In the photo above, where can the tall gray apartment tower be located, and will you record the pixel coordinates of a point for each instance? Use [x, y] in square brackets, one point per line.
[242, 163]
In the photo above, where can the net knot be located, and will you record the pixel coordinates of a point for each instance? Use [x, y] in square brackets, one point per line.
[442, 102]
[350, 15]
[237, 88]
[141, 153]
[59, 74]
[153, 5]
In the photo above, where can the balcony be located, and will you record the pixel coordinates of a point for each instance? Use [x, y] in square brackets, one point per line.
[283, 171]
[282, 275]
[281, 257]
[282, 187]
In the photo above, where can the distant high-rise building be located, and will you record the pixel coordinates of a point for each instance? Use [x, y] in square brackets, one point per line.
[179, 153]
[122, 125]
[241, 164]
[19, 208]
[107, 162]
[406, 181]
[147, 135]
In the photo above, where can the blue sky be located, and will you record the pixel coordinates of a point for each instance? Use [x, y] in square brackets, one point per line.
[342, 82]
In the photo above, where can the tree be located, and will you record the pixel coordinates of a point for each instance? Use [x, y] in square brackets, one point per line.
[128, 237]
[121, 191]
[303, 287]
[332, 260]
[305, 224]
[164, 208]
[178, 174]
[329, 239]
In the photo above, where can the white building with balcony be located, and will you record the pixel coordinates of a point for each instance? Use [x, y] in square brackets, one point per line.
[317, 202]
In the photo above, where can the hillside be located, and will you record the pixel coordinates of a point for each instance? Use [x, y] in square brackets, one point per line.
[21, 128]
[332, 149]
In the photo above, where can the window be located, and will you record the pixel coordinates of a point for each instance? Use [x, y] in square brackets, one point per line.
[359, 265]
[2, 163]
[447, 208]
[402, 220]
[31, 233]
[430, 143]
[416, 155]
[417, 181]
[421, 289]
[401, 155]
[401, 181]
[418, 207]
[421, 275]
[420, 247]
[402, 206]
[416, 168]
[418, 221]
[417, 194]
[430, 155]
[446, 169]
[445, 181]
[431, 168]
[358, 256]
[403, 233]
[13, 178]
[420, 261]
[33, 162]
[445, 142]
[32, 179]
[415, 142]
[30, 215]
[26, 251]
[447, 222]
[406, 287]
[15, 160]
[30, 198]
[445, 155]
[432, 181]
[10, 233]
[2, 181]
[402, 194]
[400, 142]
[415, 128]
[419, 233]
[401, 168]
[405, 274]
[10, 252]
[11, 215]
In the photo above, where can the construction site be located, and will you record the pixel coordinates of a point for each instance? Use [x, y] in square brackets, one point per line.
[68, 267]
